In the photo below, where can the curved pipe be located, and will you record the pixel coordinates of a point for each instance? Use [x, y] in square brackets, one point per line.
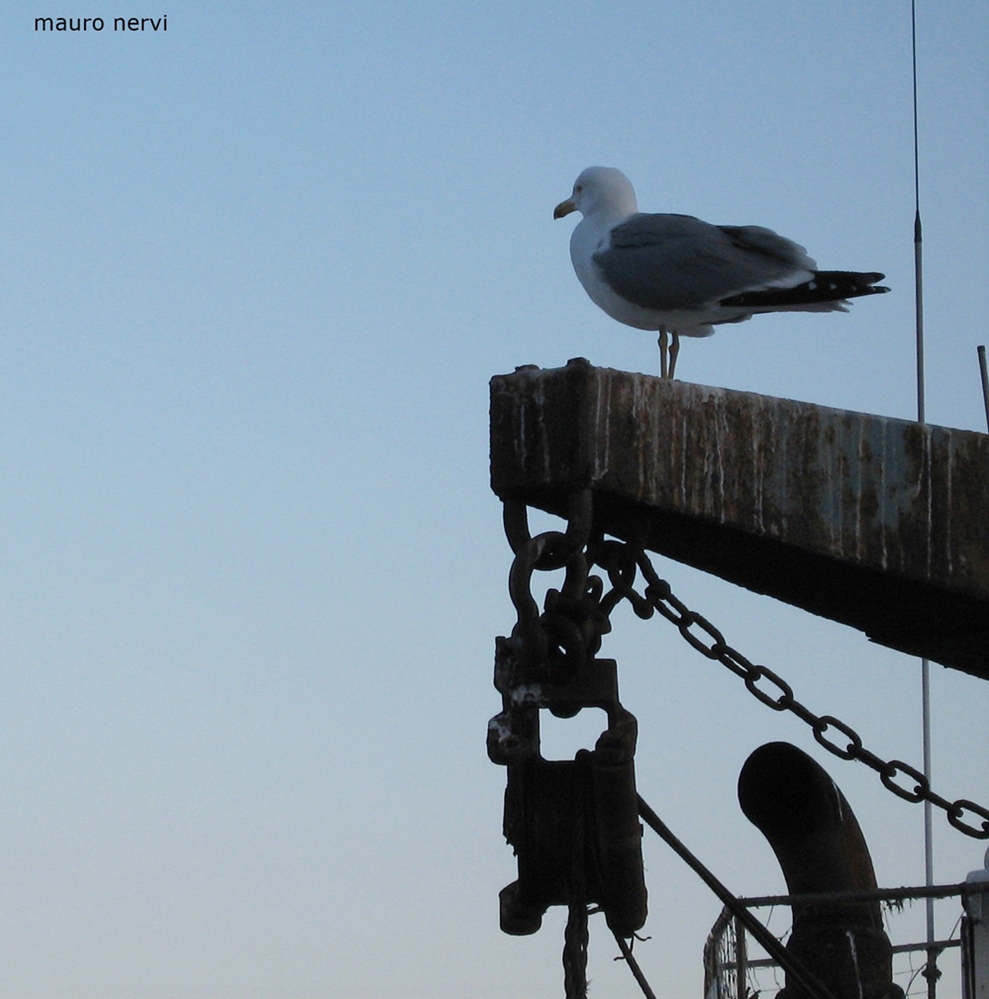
[819, 845]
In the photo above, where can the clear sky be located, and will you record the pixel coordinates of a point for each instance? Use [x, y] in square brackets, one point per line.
[257, 272]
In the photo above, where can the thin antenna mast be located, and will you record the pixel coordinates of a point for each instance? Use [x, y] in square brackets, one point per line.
[918, 238]
[931, 972]
[981, 351]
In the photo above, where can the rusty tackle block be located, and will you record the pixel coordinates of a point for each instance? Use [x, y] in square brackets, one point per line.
[573, 823]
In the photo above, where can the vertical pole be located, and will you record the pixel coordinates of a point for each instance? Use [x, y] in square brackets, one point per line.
[918, 236]
[975, 946]
[918, 265]
[741, 960]
[931, 972]
[985, 380]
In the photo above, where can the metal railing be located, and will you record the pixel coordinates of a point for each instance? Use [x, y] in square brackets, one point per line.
[736, 967]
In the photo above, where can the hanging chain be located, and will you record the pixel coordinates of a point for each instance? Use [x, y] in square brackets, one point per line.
[550, 647]
[576, 937]
[573, 824]
[622, 562]
[575, 941]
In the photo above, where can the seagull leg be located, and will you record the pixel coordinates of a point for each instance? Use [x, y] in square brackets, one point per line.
[674, 351]
[663, 352]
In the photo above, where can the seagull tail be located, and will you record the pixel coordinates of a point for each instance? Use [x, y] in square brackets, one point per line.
[823, 287]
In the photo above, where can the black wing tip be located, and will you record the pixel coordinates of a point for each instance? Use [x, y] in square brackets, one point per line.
[870, 281]
[863, 284]
[825, 286]
[864, 280]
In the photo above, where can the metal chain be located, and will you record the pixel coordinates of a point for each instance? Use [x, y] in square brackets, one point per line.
[569, 628]
[576, 936]
[552, 648]
[575, 942]
[622, 561]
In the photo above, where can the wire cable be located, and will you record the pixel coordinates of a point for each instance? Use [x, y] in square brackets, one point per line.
[797, 973]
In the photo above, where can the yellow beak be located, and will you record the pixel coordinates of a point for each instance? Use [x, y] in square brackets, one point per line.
[564, 208]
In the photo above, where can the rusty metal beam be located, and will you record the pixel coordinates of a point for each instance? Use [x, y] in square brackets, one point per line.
[878, 523]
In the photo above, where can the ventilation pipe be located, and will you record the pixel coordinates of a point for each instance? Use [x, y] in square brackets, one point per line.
[820, 847]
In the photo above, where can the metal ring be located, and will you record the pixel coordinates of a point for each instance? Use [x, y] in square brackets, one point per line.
[919, 793]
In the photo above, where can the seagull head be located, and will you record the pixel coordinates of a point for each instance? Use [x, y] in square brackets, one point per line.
[602, 191]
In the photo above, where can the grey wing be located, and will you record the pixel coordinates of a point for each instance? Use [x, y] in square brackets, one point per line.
[668, 262]
[756, 239]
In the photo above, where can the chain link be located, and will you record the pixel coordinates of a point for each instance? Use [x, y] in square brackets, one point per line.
[554, 643]
[766, 686]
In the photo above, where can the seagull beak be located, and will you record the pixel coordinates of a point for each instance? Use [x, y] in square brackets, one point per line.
[564, 208]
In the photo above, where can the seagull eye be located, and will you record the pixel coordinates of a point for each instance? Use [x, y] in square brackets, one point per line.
[578, 189]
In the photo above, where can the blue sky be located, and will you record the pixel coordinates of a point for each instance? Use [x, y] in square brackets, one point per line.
[258, 272]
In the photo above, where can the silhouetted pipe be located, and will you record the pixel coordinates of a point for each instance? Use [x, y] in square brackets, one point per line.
[820, 847]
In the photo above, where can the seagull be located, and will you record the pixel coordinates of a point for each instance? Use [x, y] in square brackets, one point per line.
[681, 276]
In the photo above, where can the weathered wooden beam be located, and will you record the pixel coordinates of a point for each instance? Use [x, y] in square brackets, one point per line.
[878, 523]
